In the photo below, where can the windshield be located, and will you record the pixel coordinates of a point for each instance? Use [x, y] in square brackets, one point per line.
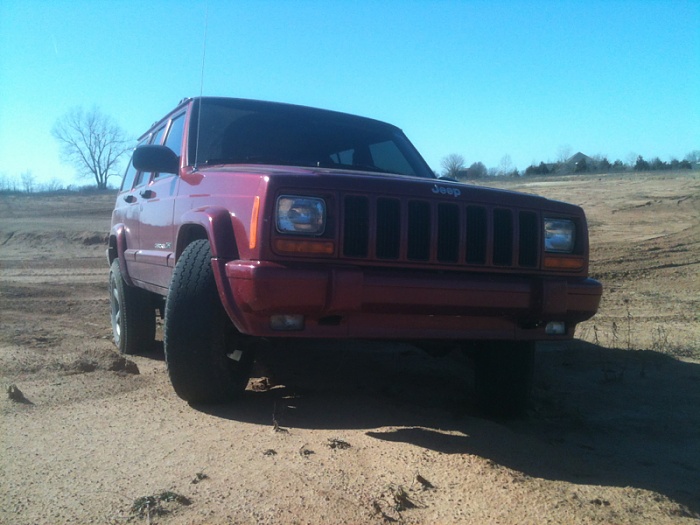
[235, 131]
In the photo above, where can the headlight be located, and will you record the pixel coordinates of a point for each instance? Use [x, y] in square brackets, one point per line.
[305, 215]
[559, 235]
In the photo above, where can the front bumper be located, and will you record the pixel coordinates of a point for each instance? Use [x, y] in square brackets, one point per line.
[344, 301]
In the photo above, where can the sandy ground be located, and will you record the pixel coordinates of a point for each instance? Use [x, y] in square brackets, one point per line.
[357, 432]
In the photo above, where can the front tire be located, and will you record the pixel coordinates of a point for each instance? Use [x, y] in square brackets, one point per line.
[132, 314]
[503, 377]
[208, 359]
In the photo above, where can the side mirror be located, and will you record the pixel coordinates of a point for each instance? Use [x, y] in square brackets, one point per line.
[159, 159]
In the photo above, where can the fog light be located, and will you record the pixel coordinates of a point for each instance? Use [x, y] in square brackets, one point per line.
[555, 328]
[287, 322]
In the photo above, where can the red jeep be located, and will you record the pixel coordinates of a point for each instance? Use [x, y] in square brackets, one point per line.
[241, 219]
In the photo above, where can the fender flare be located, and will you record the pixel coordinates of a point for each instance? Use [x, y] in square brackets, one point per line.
[119, 233]
[222, 229]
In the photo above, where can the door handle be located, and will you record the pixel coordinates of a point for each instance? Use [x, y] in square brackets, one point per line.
[130, 199]
[147, 194]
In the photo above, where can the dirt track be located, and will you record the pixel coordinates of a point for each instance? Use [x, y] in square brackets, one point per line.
[357, 432]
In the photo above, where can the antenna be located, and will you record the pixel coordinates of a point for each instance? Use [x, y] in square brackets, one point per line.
[201, 86]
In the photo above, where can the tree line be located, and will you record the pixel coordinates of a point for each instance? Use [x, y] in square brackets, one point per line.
[28, 183]
[455, 167]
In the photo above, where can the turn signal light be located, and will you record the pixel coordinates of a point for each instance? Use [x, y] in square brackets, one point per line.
[301, 246]
[563, 263]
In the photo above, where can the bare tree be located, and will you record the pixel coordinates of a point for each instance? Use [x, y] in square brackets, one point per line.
[91, 142]
[506, 165]
[28, 181]
[563, 153]
[693, 157]
[452, 165]
[7, 183]
[53, 185]
[631, 159]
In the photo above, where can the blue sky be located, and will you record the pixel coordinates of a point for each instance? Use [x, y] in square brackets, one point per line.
[482, 79]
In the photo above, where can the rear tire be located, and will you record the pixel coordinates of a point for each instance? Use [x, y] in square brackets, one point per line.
[208, 359]
[133, 314]
[503, 377]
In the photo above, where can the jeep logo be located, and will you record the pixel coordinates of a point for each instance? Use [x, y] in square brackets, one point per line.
[442, 190]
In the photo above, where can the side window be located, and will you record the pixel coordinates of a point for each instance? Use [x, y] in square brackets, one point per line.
[157, 138]
[130, 174]
[128, 180]
[174, 140]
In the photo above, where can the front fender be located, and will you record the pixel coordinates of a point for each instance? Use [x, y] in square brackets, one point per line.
[222, 229]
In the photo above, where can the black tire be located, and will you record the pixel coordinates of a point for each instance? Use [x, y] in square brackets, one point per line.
[133, 314]
[208, 359]
[503, 377]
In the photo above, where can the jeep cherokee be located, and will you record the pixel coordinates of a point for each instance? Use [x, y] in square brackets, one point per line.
[239, 220]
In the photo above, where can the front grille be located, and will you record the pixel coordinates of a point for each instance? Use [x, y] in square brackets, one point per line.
[440, 233]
